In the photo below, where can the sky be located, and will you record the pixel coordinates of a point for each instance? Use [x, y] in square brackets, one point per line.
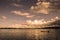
[16, 12]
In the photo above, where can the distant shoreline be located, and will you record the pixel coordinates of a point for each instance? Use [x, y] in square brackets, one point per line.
[34, 28]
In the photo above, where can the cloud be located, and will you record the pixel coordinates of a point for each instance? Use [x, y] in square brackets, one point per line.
[44, 11]
[25, 14]
[36, 22]
[30, 16]
[42, 7]
[3, 17]
[16, 5]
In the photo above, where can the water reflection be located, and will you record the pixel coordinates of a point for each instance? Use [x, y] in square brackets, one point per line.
[28, 34]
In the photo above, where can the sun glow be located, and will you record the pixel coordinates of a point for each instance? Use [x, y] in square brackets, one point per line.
[36, 22]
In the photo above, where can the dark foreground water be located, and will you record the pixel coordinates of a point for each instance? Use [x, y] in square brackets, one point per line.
[29, 34]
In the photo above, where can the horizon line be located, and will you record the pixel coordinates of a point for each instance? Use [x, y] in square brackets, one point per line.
[34, 28]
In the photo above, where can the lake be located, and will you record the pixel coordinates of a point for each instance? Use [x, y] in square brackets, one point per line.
[29, 34]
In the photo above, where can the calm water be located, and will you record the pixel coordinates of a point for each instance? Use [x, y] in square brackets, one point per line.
[29, 34]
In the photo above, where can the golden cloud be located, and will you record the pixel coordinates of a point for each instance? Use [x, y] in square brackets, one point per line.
[30, 16]
[25, 14]
[42, 7]
[36, 22]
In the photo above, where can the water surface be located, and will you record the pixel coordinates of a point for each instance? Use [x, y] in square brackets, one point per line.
[29, 34]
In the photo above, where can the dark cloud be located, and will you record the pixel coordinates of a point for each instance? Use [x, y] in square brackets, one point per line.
[28, 3]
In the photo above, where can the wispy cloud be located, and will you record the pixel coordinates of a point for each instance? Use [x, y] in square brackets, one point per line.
[25, 14]
[3, 17]
[16, 5]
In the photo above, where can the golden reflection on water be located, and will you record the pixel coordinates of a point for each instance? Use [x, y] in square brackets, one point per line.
[29, 33]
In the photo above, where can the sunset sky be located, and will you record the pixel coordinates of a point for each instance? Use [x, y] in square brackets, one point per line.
[19, 11]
